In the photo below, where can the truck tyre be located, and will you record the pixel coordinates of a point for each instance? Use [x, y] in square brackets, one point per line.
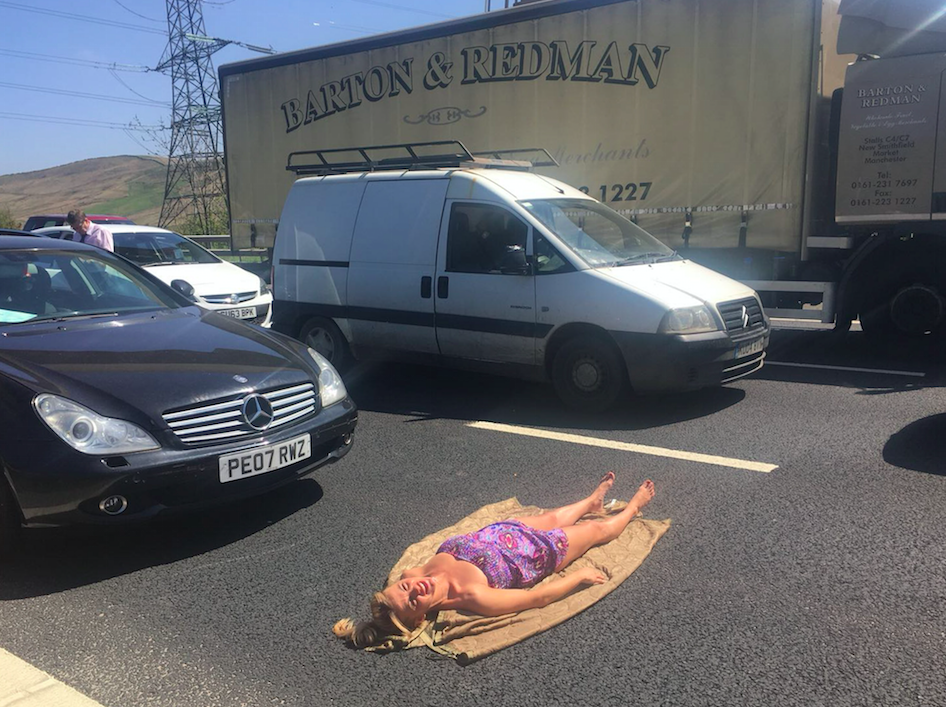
[912, 311]
[324, 336]
[588, 374]
[9, 520]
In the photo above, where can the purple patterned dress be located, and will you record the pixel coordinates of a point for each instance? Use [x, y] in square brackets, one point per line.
[511, 555]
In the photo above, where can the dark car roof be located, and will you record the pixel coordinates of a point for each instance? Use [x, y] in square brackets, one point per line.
[90, 216]
[17, 240]
[17, 232]
[40, 220]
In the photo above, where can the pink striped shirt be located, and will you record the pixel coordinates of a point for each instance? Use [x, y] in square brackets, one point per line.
[98, 236]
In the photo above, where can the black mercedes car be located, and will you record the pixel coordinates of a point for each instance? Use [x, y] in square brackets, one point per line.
[120, 399]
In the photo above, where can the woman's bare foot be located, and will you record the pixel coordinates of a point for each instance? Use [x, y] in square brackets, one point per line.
[597, 496]
[643, 496]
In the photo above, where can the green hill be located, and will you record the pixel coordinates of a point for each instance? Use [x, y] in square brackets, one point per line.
[126, 185]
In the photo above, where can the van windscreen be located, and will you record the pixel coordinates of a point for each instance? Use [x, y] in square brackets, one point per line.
[600, 236]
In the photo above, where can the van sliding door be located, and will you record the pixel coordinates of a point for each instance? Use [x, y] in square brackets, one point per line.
[393, 261]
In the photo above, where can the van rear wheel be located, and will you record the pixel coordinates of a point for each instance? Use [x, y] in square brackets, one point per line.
[588, 374]
[324, 336]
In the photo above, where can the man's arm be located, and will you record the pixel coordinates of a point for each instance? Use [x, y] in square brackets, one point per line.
[496, 602]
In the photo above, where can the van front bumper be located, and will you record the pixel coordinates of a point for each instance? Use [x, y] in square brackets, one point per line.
[680, 362]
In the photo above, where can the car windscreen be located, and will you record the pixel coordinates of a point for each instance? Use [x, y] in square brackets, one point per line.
[146, 248]
[53, 284]
[598, 235]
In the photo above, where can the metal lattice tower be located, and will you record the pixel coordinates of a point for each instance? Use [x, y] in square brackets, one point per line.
[195, 177]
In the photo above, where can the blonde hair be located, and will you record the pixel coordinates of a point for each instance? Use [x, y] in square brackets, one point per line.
[383, 624]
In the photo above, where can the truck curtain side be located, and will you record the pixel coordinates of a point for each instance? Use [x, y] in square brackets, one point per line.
[720, 127]
[690, 118]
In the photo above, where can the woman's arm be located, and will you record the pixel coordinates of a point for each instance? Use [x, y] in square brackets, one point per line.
[496, 602]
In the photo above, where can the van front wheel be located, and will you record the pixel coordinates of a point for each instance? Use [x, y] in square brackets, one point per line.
[324, 336]
[588, 374]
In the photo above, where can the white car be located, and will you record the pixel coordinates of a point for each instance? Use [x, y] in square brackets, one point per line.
[217, 284]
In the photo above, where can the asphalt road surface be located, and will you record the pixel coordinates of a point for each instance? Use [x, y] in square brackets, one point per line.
[820, 582]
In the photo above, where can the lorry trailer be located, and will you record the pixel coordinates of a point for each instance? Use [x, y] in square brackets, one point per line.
[789, 144]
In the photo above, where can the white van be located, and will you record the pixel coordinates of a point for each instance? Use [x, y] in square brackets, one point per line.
[507, 271]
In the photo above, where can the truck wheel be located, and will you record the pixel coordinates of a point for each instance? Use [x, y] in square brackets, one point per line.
[9, 520]
[588, 374]
[324, 336]
[912, 311]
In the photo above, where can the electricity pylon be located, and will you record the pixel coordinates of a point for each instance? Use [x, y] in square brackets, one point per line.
[196, 181]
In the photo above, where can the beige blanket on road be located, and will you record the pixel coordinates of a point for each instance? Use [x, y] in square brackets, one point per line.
[469, 637]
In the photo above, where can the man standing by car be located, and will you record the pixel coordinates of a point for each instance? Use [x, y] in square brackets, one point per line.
[88, 232]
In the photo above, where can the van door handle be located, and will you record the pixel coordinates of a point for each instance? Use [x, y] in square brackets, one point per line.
[426, 282]
[443, 286]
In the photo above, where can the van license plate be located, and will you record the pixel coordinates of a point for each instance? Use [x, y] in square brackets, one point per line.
[264, 459]
[240, 312]
[753, 347]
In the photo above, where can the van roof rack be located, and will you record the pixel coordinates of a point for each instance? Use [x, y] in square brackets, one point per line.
[409, 155]
[540, 156]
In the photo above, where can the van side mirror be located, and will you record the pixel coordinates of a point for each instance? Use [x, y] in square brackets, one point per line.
[514, 261]
[185, 288]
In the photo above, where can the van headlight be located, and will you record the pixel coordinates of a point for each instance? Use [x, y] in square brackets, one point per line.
[331, 388]
[88, 432]
[688, 320]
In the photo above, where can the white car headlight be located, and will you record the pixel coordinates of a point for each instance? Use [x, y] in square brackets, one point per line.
[331, 388]
[264, 289]
[87, 431]
[688, 320]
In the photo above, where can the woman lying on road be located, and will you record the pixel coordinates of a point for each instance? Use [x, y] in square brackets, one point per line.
[489, 572]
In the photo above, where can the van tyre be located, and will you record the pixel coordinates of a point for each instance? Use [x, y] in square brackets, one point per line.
[324, 336]
[588, 374]
[9, 520]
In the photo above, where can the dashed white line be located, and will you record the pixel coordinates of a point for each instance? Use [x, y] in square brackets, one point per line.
[915, 374]
[626, 446]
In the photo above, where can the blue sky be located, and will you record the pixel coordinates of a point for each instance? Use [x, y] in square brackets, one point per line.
[57, 75]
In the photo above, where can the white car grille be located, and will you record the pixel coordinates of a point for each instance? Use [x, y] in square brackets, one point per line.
[231, 297]
[224, 420]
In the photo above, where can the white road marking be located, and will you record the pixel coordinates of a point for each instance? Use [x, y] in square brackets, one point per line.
[846, 368]
[22, 685]
[626, 446]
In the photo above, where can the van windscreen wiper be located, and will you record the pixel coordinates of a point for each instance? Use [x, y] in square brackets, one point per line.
[659, 257]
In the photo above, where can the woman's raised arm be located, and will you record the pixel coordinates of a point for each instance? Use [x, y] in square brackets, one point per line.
[496, 602]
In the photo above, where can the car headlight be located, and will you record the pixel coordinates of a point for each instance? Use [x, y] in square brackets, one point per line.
[331, 388]
[264, 289]
[688, 320]
[87, 431]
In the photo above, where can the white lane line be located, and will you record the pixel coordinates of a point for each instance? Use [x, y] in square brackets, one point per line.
[22, 685]
[846, 368]
[626, 446]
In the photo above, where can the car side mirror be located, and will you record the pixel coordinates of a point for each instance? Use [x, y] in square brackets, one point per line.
[185, 288]
[514, 262]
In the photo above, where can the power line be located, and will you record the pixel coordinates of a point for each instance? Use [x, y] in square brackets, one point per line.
[80, 94]
[82, 18]
[78, 62]
[392, 6]
[348, 28]
[150, 19]
[77, 121]
[140, 95]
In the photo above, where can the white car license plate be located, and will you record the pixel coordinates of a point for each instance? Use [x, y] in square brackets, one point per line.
[752, 347]
[264, 459]
[240, 312]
